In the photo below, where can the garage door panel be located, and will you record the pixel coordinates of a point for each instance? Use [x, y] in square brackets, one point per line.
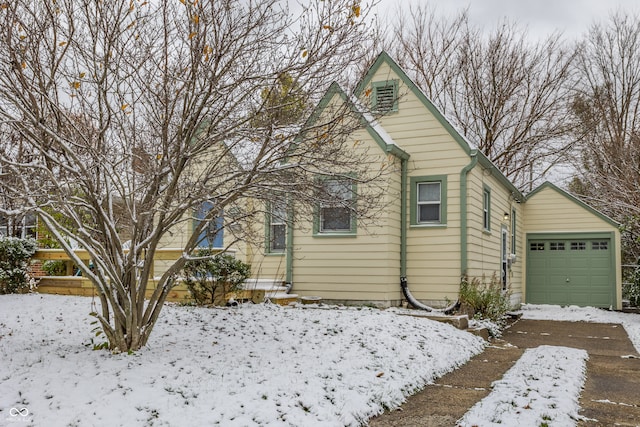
[580, 298]
[577, 263]
[556, 263]
[570, 272]
[599, 263]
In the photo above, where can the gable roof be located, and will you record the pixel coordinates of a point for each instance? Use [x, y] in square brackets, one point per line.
[484, 161]
[385, 58]
[574, 199]
[373, 127]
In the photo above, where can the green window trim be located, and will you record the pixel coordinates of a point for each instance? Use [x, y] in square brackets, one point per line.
[387, 90]
[269, 249]
[352, 232]
[486, 208]
[413, 200]
[514, 230]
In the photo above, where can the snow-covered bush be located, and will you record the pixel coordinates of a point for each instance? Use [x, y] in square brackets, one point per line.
[212, 276]
[14, 262]
[486, 300]
[631, 287]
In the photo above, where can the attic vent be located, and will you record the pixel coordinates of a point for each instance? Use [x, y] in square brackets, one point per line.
[385, 97]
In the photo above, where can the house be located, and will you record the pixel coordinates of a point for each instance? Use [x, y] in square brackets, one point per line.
[448, 212]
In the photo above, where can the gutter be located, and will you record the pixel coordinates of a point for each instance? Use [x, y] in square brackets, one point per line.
[289, 251]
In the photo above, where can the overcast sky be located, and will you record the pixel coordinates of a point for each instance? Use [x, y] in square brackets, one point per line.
[541, 17]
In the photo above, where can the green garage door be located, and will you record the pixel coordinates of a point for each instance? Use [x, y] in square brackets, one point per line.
[575, 269]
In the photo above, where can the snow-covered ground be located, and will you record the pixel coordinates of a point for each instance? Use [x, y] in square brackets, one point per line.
[542, 388]
[255, 365]
[630, 321]
[247, 366]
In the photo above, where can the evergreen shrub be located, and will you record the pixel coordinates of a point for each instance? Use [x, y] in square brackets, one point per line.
[14, 263]
[211, 276]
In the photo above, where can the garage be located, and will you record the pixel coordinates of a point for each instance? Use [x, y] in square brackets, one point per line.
[571, 269]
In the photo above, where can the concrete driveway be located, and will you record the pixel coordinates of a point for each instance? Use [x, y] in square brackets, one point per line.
[611, 394]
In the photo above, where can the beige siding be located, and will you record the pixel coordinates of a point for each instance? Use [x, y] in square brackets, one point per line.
[433, 253]
[549, 211]
[365, 267]
[272, 266]
[484, 247]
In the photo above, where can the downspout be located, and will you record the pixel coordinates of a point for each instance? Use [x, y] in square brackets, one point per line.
[404, 165]
[289, 251]
[404, 285]
[464, 260]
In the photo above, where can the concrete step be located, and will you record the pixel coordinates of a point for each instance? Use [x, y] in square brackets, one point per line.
[459, 321]
[283, 298]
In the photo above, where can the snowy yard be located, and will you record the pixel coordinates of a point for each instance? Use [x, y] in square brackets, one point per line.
[252, 365]
[255, 365]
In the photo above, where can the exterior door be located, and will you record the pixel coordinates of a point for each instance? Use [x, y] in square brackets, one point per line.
[504, 251]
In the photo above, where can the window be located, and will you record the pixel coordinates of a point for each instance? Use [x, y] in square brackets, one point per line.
[335, 213]
[277, 229]
[556, 246]
[536, 246]
[428, 203]
[22, 226]
[600, 246]
[428, 196]
[385, 96]
[486, 209]
[513, 231]
[213, 233]
[578, 246]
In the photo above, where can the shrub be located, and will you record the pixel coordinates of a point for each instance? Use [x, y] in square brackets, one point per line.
[631, 287]
[486, 300]
[208, 279]
[54, 268]
[14, 262]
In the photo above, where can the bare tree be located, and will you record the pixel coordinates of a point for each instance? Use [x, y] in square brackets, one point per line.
[606, 109]
[14, 221]
[146, 110]
[428, 46]
[505, 94]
